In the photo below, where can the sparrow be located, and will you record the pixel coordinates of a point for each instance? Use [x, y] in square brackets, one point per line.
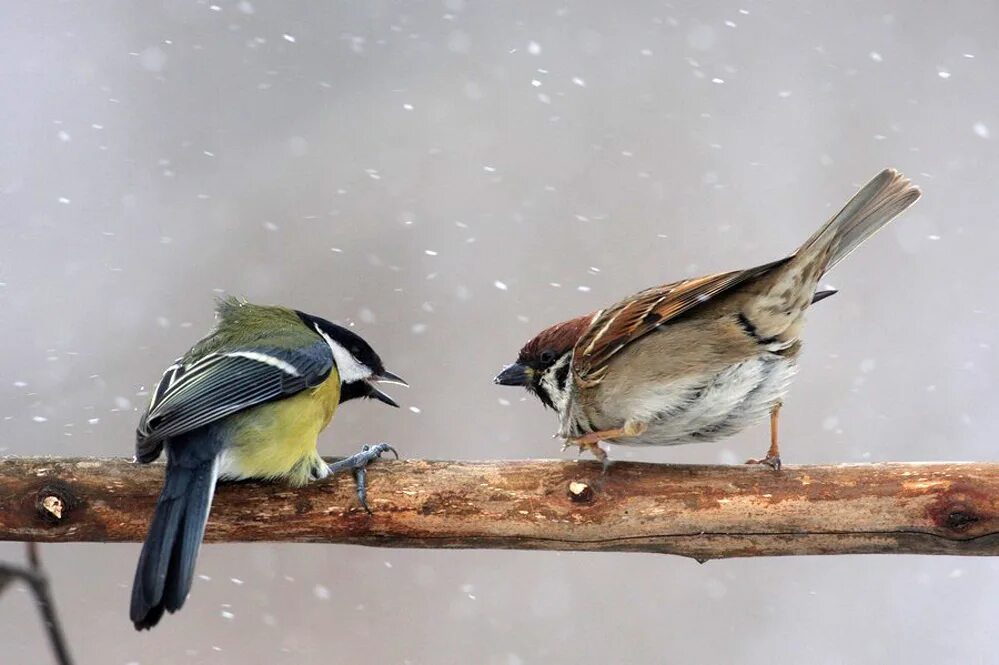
[699, 359]
[247, 401]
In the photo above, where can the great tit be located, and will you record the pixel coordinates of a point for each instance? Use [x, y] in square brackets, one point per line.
[247, 401]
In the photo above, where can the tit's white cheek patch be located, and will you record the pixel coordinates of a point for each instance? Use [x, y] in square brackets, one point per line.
[349, 368]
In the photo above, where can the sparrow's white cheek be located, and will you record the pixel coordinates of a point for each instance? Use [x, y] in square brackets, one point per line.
[558, 394]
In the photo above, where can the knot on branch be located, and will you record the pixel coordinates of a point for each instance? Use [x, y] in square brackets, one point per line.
[958, 517]
[580, 492]
[54, 501]
[960, 509]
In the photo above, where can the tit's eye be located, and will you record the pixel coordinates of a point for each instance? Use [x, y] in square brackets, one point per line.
[547, 356]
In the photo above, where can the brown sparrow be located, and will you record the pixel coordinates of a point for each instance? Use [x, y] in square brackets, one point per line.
[699, 359]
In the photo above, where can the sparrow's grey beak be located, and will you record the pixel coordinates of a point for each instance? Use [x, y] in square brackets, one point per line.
[514, 375]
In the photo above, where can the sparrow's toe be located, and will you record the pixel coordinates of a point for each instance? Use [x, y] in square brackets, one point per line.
[773, 461]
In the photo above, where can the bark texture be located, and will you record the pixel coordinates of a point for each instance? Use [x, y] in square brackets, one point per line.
[705, 512]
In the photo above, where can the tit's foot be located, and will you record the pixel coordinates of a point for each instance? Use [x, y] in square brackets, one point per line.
[358, 464]
[773, 461]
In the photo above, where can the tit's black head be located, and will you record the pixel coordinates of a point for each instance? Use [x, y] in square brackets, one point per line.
[362, 361]
[359, 367]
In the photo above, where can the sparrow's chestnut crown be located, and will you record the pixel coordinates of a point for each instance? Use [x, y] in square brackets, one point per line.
[553, 342]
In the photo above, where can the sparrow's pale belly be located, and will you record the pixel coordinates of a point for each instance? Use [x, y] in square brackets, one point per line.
[711, 407]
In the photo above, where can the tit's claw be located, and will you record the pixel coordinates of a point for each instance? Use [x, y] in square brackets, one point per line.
[357, 463]
[389, 448]
[360, 477]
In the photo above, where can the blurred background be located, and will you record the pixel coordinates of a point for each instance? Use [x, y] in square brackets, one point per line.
[450, 177]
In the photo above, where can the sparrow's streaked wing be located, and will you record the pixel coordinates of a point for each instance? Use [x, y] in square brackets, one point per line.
[616, 327]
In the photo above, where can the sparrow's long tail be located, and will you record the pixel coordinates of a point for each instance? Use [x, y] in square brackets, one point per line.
[870, 209]
[776, 309]
[166, 565]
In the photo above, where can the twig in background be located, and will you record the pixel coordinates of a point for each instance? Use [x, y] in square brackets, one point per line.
[38, 582]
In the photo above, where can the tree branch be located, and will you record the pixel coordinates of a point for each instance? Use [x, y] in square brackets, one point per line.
[704, 512]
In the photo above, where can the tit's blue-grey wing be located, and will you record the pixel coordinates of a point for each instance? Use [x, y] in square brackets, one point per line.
[222, 383]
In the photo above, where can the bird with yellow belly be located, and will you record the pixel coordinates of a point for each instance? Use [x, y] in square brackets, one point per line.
[247, 401]
[278, 439]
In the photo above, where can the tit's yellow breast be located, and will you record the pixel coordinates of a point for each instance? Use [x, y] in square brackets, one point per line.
[278, 439]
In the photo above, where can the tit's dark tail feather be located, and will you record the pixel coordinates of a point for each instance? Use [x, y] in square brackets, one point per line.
[166, 566]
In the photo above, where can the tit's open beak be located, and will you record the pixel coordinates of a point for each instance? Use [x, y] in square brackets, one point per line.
[375, 392]
[514, 375]
[388, 377]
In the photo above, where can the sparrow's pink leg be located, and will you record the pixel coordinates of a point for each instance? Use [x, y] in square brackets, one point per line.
[591, 441]
[773, 454]
[592, 446]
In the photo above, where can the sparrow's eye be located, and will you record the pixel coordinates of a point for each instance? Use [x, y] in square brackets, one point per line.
[547, 356]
